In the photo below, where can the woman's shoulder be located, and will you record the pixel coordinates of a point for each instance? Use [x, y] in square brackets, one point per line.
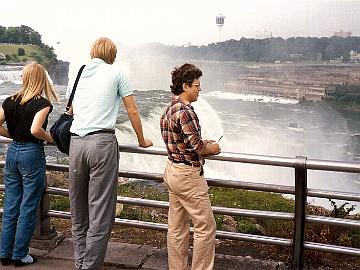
[39, 102]
[9, 101]
[44, 100]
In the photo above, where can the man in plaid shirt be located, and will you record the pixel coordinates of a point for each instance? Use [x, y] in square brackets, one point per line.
[184, 175]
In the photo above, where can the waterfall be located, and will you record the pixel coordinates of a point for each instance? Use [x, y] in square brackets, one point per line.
[13, 76]
[211, 129]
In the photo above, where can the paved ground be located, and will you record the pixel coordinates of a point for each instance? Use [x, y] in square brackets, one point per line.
[122, 256]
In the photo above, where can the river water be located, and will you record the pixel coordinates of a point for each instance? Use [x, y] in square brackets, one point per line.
[249, 124]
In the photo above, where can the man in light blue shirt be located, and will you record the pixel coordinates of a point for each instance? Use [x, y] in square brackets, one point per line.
[94, 153]
[97, 99]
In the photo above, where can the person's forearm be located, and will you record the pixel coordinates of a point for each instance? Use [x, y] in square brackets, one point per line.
[137, 126]
[4, 132]
[42, 135]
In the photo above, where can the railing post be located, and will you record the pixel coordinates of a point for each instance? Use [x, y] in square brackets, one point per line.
[45, 235]
[300, 204]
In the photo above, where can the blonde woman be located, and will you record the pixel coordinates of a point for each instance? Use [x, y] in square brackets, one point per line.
[26, 116]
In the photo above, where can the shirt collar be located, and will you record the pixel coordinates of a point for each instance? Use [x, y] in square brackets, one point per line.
[98, 61]
[177, 99]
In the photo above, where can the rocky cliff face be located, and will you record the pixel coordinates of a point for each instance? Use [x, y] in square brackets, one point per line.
[60, 73]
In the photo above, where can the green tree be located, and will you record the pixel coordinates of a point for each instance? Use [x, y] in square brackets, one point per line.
[25, 32]
[35, 38]
[13, 35]
[3, 34]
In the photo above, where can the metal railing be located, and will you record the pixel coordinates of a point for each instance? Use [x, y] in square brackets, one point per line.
[300, 165]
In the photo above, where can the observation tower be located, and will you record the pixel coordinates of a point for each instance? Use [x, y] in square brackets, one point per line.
[220, 23]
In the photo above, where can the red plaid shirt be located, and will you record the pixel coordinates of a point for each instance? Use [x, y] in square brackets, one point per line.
[181, 133]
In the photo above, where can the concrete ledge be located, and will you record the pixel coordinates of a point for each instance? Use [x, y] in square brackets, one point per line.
[64, 251]
[158, 260]
[47, 243]
[129, 256]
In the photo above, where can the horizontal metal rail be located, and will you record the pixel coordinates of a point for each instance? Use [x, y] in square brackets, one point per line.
[329, 194]
[312, 164]
[228, 183]
[224, 210]
[319, 193]
[165, 205]
[332, 248]
[164, 227]
[333, 221]
[216, 210]
[335, 166]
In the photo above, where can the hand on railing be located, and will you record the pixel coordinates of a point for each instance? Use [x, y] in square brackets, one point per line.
[146, 143]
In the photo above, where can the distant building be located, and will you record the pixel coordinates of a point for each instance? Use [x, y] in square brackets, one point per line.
[337, 60]
[342, 34]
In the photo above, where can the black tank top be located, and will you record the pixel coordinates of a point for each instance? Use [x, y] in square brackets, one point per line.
[19, 118]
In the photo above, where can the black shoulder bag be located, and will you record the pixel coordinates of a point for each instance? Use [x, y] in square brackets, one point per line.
[60, 130]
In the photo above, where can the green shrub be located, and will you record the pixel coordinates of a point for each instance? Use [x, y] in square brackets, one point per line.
[246, 226]
[136, 213]
[59, 203]
[219, 219]
[337, 235]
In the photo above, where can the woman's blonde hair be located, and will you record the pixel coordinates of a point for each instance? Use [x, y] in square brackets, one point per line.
[35, 82]
[105, 49]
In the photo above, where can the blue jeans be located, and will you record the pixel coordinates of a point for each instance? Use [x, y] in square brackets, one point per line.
[24, 183]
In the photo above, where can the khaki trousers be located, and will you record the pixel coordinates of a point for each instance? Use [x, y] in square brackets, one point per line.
[189, 198]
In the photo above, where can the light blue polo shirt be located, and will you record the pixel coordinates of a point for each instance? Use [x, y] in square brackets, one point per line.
[97, 97]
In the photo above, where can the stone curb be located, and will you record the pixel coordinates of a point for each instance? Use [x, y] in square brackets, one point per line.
[131, 256]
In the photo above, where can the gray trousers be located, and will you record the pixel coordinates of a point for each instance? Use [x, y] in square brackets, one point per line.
[93, 174]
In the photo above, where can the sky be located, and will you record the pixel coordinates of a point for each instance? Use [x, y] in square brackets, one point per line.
[71, 26]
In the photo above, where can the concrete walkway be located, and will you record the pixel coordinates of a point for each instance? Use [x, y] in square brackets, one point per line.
[124, 256]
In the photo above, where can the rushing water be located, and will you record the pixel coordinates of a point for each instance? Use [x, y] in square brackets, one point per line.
[249, 124]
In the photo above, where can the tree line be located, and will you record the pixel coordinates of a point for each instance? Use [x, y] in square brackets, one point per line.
[26, 35]
[263, 50]
[20, 35]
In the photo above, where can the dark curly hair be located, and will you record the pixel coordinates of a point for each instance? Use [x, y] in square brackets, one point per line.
[187, 73]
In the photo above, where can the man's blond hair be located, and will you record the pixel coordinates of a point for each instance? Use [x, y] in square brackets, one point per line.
[105, 49]
[35, 82]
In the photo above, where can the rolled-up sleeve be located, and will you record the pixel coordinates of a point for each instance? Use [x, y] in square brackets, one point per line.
[191, 131]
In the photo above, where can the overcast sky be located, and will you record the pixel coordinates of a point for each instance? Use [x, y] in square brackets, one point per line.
[76, 24]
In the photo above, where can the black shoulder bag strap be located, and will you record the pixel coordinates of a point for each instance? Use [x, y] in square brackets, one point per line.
[74, 88]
